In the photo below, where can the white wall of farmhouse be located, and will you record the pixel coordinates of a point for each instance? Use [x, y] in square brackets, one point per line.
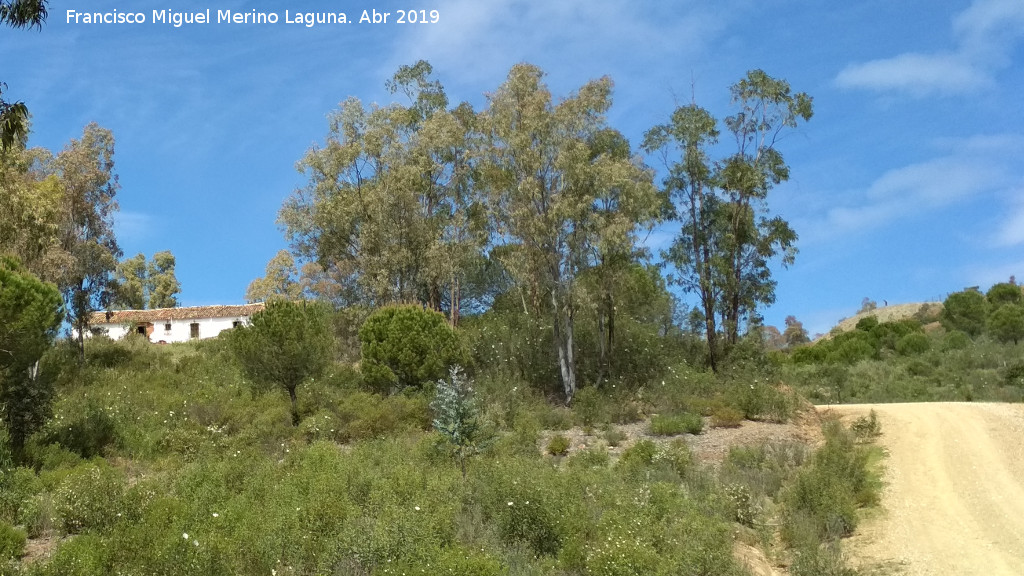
[177, 330]
[166, 325]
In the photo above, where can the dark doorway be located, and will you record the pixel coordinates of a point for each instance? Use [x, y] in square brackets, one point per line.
[193, 330]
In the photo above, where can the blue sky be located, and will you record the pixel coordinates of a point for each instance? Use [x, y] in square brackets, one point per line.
[906, 185]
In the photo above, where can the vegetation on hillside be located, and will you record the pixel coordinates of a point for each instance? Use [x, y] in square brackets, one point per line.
[968, 351]
[463, 289]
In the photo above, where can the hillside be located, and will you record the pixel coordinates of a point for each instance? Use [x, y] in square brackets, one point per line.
[886, 314]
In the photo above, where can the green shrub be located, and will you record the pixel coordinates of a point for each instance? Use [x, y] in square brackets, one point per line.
[12, 541]
[867, 323]
[920, 368]
[763, 468]
[89, 433]
[16, 485]
[85, 555]
[762, 401]
[965, 311]
[89, 499]
[613, 436]
[103, 352]
[555, 417]
[407, 346]
[640, 454]
[673, 424]
[912, 344]
[726, 417]
[558, 445]
[37, 515]
[824, 560]
[1004, 293]
[647, 460]
[590, 458]
[1006, 323]
[744, 510]
[586, 403]
[955, 340]
[820, 505]
[853, 347]
[1014, 375]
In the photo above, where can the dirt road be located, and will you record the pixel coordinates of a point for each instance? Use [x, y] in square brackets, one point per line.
[954, 499]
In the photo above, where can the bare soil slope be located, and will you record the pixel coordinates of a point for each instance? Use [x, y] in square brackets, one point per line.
[954, 500]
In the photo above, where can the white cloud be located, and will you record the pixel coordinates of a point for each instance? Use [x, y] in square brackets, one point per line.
[967, 168]
[918, 74]
[1011, 232]
[985, 36]
[479, 40]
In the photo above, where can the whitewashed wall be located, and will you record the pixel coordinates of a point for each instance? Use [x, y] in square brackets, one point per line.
[180, 329]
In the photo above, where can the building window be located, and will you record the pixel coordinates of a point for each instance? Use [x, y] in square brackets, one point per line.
[193, 330]
[167, 326]
[236, 323]
[141, 329]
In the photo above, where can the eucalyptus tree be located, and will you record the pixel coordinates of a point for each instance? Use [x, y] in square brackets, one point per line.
[162, 281]
[389, 210]
[767, 107]
[85, 172]
[131, 283]
[547, 182]
[728, 238]
[30, 211]
[280, 281]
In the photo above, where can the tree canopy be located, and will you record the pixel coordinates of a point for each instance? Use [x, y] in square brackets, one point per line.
[285, 344]
[14, 115]
[30, 313]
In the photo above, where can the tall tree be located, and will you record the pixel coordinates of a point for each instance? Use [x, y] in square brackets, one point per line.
[795, 334]
[389, 207]
[695, 252]
[131, 283]
[727, 237]
[85, 170]
[767, 107]
[14, 115]
[279, 281]
[544, 182]
[163, 283]
[140, 282]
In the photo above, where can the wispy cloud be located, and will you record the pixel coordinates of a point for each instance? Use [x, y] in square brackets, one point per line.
[985, 35]
[965, 169]
[1011, 232]
[477, 40]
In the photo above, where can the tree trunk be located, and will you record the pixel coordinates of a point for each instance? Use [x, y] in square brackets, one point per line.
[81, 342]
[563, 337]
[456, 298]
[295, 405]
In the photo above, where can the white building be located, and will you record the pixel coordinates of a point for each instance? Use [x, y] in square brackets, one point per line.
[166, 325]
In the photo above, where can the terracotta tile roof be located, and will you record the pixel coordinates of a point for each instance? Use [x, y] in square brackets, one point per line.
[164, 314]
